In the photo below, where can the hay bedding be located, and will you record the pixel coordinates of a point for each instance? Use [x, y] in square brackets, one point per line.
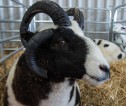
[111, 93]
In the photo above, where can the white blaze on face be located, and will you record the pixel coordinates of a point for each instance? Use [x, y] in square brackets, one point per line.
[94, 58]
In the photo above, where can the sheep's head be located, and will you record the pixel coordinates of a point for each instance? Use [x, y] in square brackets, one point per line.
[110, 50]
[70, 54]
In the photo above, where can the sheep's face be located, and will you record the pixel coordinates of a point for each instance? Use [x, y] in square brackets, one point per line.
[75, 56]
[68, 53]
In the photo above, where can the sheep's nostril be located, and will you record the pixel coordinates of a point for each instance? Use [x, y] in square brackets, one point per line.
[104, 68]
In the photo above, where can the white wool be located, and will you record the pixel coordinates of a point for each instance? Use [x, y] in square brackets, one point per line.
[60, 95]
[76, 29]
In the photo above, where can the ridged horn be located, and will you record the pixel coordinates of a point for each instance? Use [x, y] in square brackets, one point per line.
[58, 15]
[78, 16]
[31, 51]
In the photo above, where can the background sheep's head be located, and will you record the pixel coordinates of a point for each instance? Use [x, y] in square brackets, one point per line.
[120, 39]
[110, 50]
[68, 53]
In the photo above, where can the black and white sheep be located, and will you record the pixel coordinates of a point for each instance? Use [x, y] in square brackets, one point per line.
[110, 50]
[120, 39]
[45, 75]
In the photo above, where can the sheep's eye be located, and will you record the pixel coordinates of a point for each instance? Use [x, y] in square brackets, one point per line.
[61, 43]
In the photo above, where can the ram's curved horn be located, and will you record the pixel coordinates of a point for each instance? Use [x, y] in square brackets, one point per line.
[31, 51]
[58, 15]
[78, 16]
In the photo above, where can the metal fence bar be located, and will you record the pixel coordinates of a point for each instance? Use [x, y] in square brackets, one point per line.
[7, 39]
[10, 21]
[119, 33]
[2, 54]
[16, 40]
[96, 32]
[119, 44]
[120, 6]
[20, 4]
[8, 6]
[87, 8]
[11, 17]
[49, 21]
[111, 26]
[8, 31]
[122, 21]
[11, 54]
[96, 22]
[112, 21]
[10, 49]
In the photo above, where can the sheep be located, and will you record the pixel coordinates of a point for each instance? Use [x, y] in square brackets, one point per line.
[46, 73]
[120, 39]
[109, 50]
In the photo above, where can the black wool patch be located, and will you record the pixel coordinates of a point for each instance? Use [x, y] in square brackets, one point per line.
[120, 56]
[123, 47]
[37, 88]
[72, 81]
[99, 42]
[6, 98]
[93, 40]
[71, 93]
[106, 45]
[122, 41]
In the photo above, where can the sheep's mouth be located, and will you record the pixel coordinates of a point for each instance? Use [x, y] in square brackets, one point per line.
[99, 79]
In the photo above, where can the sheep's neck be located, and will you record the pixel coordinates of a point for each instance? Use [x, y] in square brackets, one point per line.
[63, 94]
[30, 89]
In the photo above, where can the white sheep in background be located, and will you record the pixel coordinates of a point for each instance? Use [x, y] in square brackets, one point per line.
[110, 50]
[120, 38]
[45, 75]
